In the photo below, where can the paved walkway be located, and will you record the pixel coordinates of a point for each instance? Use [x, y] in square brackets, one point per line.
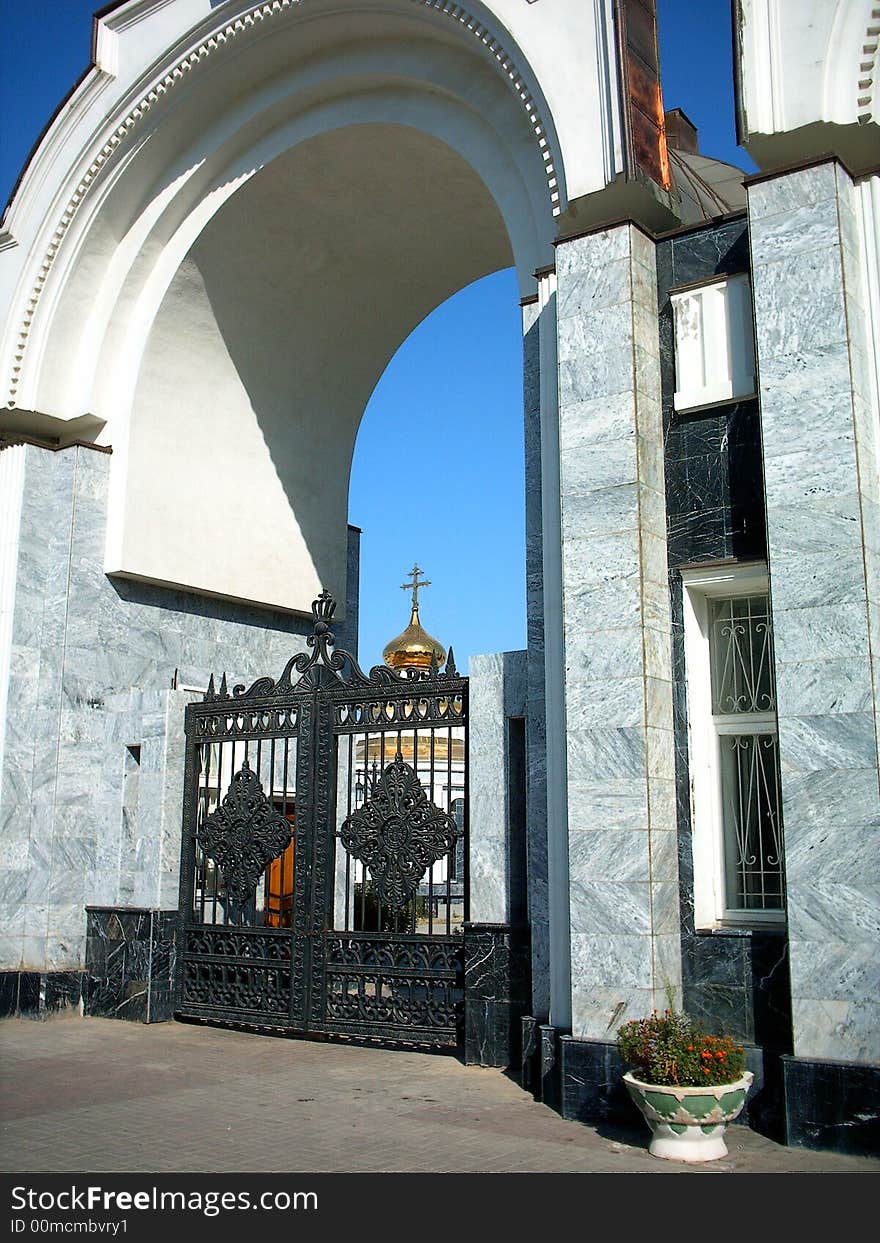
[98, 1096]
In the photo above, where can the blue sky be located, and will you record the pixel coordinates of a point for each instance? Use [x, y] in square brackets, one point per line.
[455, 505]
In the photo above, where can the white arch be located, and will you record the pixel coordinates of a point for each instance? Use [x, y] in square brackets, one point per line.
[205, 176]
[107, 123]
[193, 110]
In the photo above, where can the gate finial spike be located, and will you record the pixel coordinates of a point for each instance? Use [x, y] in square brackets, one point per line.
[451, 670]
[224, 690]
[211, 692]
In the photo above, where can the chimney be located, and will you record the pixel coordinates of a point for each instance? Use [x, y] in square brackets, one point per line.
[681, 133]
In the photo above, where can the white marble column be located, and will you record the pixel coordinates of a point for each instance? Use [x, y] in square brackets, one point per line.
[819, 418]
[622, 841]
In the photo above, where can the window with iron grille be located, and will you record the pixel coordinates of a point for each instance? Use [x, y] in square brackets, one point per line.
[736, 805]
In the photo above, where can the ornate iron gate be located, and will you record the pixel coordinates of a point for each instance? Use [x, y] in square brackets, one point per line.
[323, 874]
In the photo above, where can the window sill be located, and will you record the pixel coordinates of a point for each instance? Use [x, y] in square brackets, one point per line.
[743, 930]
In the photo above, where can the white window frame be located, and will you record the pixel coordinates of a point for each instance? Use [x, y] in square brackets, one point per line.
[714, 342]
[700, 587]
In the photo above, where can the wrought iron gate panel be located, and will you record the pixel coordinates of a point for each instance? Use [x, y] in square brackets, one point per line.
[323, 880]
[393, 986]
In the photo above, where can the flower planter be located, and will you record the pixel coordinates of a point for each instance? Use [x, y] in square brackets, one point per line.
[688, 1124]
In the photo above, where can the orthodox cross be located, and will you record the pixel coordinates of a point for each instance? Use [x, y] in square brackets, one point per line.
[414, 585]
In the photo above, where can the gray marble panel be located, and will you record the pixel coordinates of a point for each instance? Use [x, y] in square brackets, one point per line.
[824, 632]
[807, 313]
[497, 692]
[13, 950]
[607, 753]
[838, 741]
[92, 676]
[813, 687]
[815, 579]
[609, 854]
[600, 656]
[598, 420]
[617, 619]
[792, 192]
[610, 909]
[854, 970]
[601, 467]
[600, 562]
[803, 229]
[600, 1011]
[599, 959]
[618, 803]
[595, 704]
[849, 1027]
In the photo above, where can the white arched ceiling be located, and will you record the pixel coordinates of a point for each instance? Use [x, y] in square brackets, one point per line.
[292, 300]
[219, 271]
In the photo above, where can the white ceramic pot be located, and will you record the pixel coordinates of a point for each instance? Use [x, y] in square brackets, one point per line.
[688, 1124]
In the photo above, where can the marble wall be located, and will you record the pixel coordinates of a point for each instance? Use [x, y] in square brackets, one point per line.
[130, 962]
[733, 979]
[496, 856]
[497, 992]
[624, 915]
[91, 785]
[820, 468]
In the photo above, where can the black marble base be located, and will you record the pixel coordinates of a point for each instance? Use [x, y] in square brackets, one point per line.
[583, 1080]
[530, 1056]
[736, 981]
[832, 1106]
[497, 985]
[591, 1083]
[550, 1067]
[130, 959]
[37, 994]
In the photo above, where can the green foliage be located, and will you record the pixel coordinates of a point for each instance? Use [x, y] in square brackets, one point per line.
[670, 1048]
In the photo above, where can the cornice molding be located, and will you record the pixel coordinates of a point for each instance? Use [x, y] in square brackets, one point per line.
[265, 11]
[868, 68]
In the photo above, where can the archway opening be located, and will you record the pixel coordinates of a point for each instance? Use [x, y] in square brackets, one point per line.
[292, 301]
[438, 477]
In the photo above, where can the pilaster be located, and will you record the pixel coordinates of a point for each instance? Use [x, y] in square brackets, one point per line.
[820, 462]
[617, 633]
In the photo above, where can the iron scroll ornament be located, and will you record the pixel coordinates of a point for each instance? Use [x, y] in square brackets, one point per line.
[244, 835]
[325, 656]
[398, 834]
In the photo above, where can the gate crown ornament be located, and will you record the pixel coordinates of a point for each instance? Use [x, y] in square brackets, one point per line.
[398, 834]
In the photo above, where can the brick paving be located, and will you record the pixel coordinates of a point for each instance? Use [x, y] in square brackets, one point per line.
[99, 1096]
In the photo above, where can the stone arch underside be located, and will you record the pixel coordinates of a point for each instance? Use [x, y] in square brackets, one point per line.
[248, 268]
[266, 347]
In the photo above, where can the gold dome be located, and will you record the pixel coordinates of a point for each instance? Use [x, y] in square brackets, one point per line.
[414, 648]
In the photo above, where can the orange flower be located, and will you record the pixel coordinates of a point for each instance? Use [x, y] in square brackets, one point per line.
[705, 1070]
